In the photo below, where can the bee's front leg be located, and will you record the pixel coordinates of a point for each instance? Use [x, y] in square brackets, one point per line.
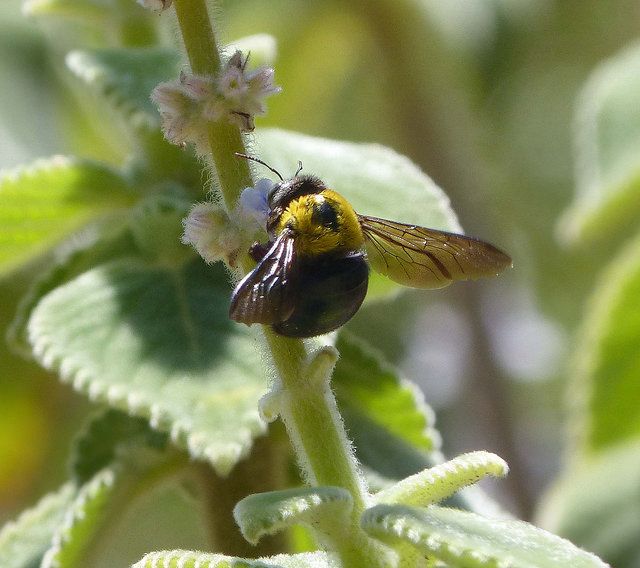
[258, 250]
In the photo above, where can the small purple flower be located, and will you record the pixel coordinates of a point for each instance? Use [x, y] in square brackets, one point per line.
[189, 104]
[254, 202]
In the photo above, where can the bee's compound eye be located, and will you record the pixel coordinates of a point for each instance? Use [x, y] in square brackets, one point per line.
[276, 193]
[324, 213]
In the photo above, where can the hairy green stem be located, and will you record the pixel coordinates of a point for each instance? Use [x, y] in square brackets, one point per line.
[224, 139]
[265, 470]
[309, 411]
[308, 407]
[312, 416]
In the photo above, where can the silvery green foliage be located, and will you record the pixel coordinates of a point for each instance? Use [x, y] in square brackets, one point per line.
[137, 323]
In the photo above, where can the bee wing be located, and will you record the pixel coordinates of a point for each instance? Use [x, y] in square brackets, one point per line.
[425, 258]
[264, 295]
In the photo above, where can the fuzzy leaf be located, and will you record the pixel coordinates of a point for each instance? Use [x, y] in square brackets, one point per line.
[81, 522]
[156, 341]
[98, 244]
[376, 180]
[608, 150]
[192, 559]
[389, 422]
[24, 541]
[46, 201]
[370, 391]
[388, 458]
[606, 390]
[269, 513]
[441, 481]
[467, 540]
[152, 230]
[126, 77]
[99, 444]
[596, 505]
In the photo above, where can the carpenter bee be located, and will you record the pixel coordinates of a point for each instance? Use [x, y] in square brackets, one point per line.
[312, 275]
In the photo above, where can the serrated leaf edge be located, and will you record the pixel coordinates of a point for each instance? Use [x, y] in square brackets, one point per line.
[103, 482]
[430, 433]
[222, 455]
[376, 521]
[93, 76]
[379, 522]
[443, 480]
[195, 559]
[296, 506]
[33, 515]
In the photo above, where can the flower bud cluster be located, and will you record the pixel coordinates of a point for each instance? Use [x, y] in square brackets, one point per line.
[189, 104]
[210, 231]
[218, 235]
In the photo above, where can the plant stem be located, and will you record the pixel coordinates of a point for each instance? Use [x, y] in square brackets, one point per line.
[308, 410]
[312, 417]
[224, 139]
[265, 470]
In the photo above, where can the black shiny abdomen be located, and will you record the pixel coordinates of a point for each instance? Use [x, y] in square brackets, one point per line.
[329, 292]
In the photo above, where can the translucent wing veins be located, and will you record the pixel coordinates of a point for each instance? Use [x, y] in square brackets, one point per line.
[426, 258]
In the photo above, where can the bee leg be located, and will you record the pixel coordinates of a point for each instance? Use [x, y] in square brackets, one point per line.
[258, 250]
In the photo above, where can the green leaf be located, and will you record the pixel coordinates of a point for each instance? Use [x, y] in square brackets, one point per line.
[81, 522]
[24, 541]
[156, 341]
[390, 423]
[608, 145]
[126, 77]
[467, 540]
[440, 482]
[41, 204]
[152, 230]
[371, 391]
[269, 513]
[605, 389]
[193, 559]
[103, 439]
[375, 179]
[104, 242]
[595, 504]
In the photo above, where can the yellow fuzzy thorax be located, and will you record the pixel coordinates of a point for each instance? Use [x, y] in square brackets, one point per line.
[313, 238]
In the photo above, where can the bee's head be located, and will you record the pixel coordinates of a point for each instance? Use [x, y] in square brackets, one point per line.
[287, 190]
[284, 192]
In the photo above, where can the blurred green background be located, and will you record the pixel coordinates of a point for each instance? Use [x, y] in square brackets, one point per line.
[483, 96]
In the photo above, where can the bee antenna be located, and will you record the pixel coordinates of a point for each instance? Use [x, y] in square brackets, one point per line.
[246, 157]
[299, 168]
